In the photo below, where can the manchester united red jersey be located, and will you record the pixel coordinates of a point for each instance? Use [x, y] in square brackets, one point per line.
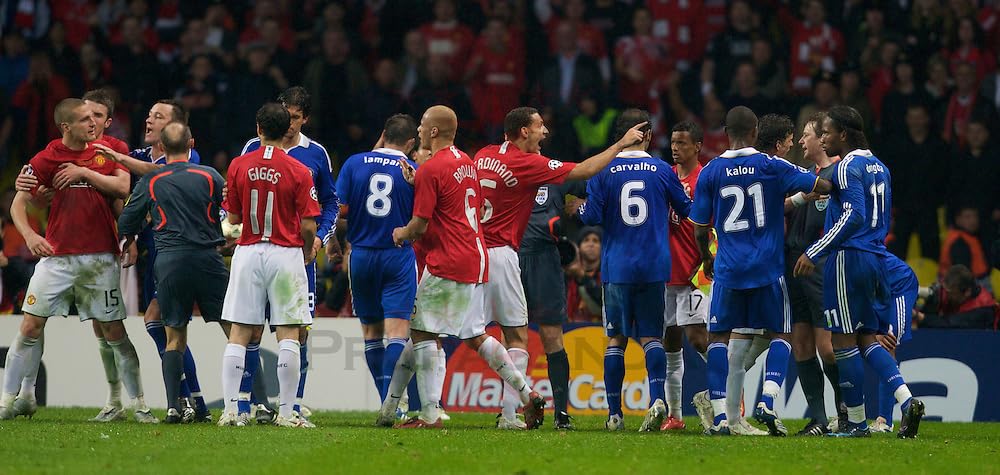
[447, 194]
[272, 192]
[684, 255]
[80, 219]
[510, 179]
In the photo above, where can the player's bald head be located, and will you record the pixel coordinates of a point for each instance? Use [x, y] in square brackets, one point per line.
[175, 137]
[443, 118]
[741, 124]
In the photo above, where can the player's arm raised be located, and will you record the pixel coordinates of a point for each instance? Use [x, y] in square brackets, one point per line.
[36, 243]
[595, 164]
[134, 165]
[852, 218]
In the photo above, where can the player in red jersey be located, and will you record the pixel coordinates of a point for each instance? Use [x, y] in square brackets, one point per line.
[510, 175]
[450, 295]
[273, 196]
[72, 270]
[686, 307]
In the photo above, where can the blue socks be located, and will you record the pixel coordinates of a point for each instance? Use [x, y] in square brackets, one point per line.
[656, 370]
[852, 374]
[718, 371]
[887, 369]
[774, 370]
[375, 357]
[158, 334]
[389, 359]
[250, 368]
[886, 401]
[303, 366]
[614, 376]
[189, 380]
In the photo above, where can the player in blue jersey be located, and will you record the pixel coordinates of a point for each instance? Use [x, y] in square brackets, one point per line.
[857, 283]
[314, 156]
[632, 198]
[383, 277]
[743, 192]
[904, 288]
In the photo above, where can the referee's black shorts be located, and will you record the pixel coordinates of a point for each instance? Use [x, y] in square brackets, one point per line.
[544, 287]
[805, 293]
[186, 277]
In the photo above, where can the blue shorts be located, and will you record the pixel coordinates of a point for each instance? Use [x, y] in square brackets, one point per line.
[634, 310]
[903, 285]
[759, 308]
[855, 287]
[148, 276]
[383, 283]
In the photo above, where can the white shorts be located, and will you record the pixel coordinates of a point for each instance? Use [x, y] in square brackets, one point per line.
[684, 305]
[91, 281]
[265, 273]
[505, 301]
[446, 307]
[749, 331]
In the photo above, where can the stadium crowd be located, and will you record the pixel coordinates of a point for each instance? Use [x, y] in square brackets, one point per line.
[923, 74]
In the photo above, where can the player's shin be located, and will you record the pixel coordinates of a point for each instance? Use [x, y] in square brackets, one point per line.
[426, 357]
[718, 369]
[852, 373]
[511, 398]
[31, 371]
[375, 356]
[233, 366]
[191, 378]
[774, 371]
[110, 372]
[497, 357]
[559, 378]
[19, 357]
[392, 353]
[127, 361]
[248, 378]
[173, 369]
[614, 376]
[674, 385]
[300, 392]
[738, 349]
[288, 376]
[401, 375]
[811, 379]
[656, 369]
[888, 372]
[159, 335]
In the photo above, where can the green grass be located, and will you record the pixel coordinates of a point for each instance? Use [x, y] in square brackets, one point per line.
[61, 441]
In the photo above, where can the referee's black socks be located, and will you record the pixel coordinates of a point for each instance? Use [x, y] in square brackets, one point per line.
[559, 378]
[173, 369]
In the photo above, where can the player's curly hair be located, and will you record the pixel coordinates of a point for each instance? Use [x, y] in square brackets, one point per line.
[847, 119]
[773, 128]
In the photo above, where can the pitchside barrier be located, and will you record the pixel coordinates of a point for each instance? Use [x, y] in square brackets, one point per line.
[952, 371]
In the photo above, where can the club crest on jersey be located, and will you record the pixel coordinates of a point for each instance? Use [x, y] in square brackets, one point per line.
[555, 164]
[542, 195]
[30, 300]
[99, 160]
[822, 204]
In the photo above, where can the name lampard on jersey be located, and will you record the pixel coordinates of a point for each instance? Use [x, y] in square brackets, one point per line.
[498, 167]
[738, 171]
[634, 167]
[465, 171]
[384, 161]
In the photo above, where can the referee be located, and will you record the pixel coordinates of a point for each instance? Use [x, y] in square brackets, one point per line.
[545, 285]
[184, 201]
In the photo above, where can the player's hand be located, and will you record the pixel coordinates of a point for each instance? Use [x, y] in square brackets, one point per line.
[634, 136]
[25, 181]
[69, 174]
[130, 254]
[38, 245]
[887, 341]
[333, 252]
[814, 196]
[398, 236]
[573, 206]
[381, 141]
[308, 254]
[803, 266]
[708, 264]
[4, 261]
[409, 173]
[107, 151]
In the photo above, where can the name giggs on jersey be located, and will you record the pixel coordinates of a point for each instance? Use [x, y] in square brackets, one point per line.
[498, 167]
[264, 174]
[740, 171]
[465, 171]
[634, 167]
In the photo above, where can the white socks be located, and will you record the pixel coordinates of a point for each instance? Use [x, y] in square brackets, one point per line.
[288, 376]
[110, 372]
[758, 346]
[738, 351]
[497, 357]
[442, 369]
[511, 398]
[128, 369]
[401, 374]
[675, 378]
[233, 363]
[31, 371]
[19, 359]
[426, 355]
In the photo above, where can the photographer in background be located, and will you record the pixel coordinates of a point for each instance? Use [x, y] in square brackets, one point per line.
[957, 301]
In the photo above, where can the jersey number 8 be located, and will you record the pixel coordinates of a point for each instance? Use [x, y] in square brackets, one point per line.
[378, 202]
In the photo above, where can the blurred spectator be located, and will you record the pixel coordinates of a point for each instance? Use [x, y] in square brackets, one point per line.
[200, 96]
[825, 93]
[713, 124]
[441, 89]
[989, 21]
[13, 62]
[770, 72]
[495, 77]
[257, 19]
[745, 91]
[962, 245]
[682, 25]
[221, 31]
[588, 38]
[29, 17]
[36, 100]
[583, 278]
[964, 103]
[880, 77]
[734, 44]
[928, 26]
[938, 86]
[990, 87]
[974, 176]
[20, 263]
[905, 91]
[916, 160]
[641, 61]
[110, 12]
[413, 63]
[136, 71]
[65, 61]
[852, 94]
[593, 125]
[570, 73]
[958, 302]
[272, 39]
[75, 17]
[965, 49]
[336, 81]
[869, 35]
[448, 38]
[382, 99]
[816, 47]
[257, 82]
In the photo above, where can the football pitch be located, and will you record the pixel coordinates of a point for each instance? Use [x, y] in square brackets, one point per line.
[61, 441]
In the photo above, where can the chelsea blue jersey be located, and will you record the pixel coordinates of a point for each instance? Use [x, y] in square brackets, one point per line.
[377, 196]
[743, 193]
[858, 214]
[314, 157]
[631, 198]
